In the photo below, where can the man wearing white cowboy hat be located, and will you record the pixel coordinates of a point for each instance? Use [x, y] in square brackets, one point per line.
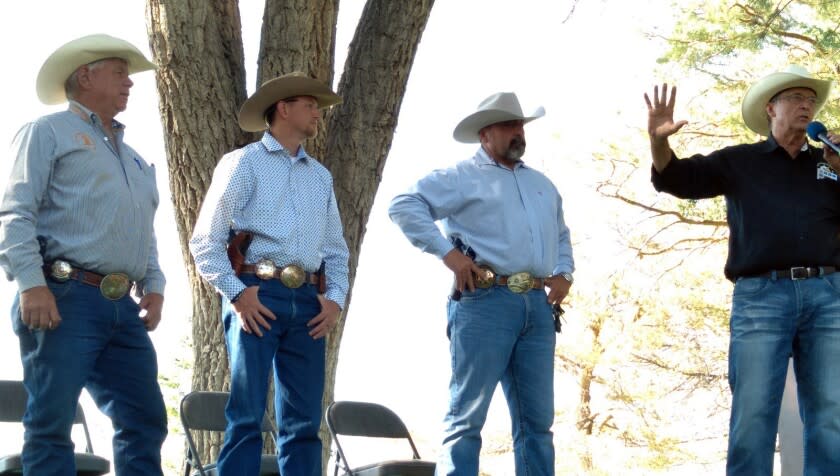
[76, 234]
[783, 211]
[505, 242]
[272, 310]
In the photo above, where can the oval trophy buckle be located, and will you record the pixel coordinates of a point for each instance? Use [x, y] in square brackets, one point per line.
[114, 286]
[265, 268]
[520, 282]
[292, 276]
[486, 279]
[60, 270]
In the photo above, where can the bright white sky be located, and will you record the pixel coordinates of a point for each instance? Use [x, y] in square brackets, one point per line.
[588, 73]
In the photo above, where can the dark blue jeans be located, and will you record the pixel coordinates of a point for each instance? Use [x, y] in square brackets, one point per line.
[298, 362]
[773, 319]
[497, 336]
[103, 346]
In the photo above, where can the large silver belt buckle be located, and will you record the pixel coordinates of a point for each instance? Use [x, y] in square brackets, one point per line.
[265, 268]
[520, 282]
[292, 276]
[486, 278]
[60, 270]
[114, 286]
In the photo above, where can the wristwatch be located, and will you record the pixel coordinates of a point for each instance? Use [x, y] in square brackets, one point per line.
[568, 277]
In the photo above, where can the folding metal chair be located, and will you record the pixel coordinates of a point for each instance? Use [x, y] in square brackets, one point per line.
[375, 421]
[13, 398]
[205, 411]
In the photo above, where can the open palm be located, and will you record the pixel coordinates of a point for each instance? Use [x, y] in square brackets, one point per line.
[661, 113]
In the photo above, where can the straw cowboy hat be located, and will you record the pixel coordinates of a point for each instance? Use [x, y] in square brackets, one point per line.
[753, 108]
[252, 114]
[79, 52]
[499, 107]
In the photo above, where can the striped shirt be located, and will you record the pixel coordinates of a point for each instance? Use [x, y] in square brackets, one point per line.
[289, 205]
[511, 219]
[92, 202]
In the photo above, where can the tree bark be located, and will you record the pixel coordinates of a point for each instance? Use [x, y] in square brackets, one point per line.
[197, 45]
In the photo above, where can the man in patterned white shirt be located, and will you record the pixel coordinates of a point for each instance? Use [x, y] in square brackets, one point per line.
[76, 232]
[272, 311]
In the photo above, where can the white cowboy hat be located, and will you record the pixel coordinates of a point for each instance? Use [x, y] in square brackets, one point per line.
[753, 108]
[79, 52]
[499, 107]
[252, 113]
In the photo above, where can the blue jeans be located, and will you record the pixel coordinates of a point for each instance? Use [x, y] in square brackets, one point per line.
[498, 336]
[773, 319]
[103, 346]
[298, 362]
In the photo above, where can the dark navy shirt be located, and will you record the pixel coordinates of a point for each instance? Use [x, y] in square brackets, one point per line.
[781, 212]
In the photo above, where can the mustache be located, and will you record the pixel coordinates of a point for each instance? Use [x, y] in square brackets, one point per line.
[517, 142]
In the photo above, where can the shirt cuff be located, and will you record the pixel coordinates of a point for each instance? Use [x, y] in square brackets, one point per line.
[441, 247]
[150, 286]
[30, 279]
[230, 286]
[336, 297]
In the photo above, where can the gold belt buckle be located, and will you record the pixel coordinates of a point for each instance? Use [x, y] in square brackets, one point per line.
[292, 276]
[520, 282]
[486, 279]
[114, 286]
[265, 268]
[60, 270]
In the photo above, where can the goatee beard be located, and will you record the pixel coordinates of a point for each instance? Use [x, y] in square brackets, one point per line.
[516, 149]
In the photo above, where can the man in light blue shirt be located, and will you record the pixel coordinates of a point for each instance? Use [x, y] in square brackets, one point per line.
[272, 311]
[505, 242]
[76, 234]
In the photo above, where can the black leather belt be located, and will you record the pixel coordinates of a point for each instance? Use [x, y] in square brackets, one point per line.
[799, 272]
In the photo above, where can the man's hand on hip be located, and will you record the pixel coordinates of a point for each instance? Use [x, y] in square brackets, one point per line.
[326, 320]
[38, 309]
[464, 269]
[252, 314]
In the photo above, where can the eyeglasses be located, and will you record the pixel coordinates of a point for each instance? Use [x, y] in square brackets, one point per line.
[799, 99]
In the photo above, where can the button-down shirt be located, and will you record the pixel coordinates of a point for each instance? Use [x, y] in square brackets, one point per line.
[91, 201]
[289, 205]
[511, 219]
[782, 212]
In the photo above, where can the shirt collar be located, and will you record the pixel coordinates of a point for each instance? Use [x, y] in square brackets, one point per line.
[89, 116]
[483, 158]
[272, 145]
[771, 144]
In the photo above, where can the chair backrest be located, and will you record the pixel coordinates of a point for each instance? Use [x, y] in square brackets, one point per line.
[13, 397]
[205, 411]
[364, 419]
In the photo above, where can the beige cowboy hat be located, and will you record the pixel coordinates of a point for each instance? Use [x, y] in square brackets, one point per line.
[81, 51]
[753, 108]
[252, 113]
[499, 107]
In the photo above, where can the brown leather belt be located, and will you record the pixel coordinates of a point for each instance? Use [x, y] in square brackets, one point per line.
[799, 272]
[309, 278]
[113, 286]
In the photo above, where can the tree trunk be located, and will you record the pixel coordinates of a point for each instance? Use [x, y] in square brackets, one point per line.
[199, 102]
[197, 45]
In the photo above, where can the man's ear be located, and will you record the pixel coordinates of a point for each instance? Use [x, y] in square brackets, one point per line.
[770, 109]
[83, 77]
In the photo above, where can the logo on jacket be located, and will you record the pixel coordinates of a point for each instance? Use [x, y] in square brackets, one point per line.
[825, 172]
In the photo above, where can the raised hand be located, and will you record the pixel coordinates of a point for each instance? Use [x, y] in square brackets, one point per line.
[661, 113]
